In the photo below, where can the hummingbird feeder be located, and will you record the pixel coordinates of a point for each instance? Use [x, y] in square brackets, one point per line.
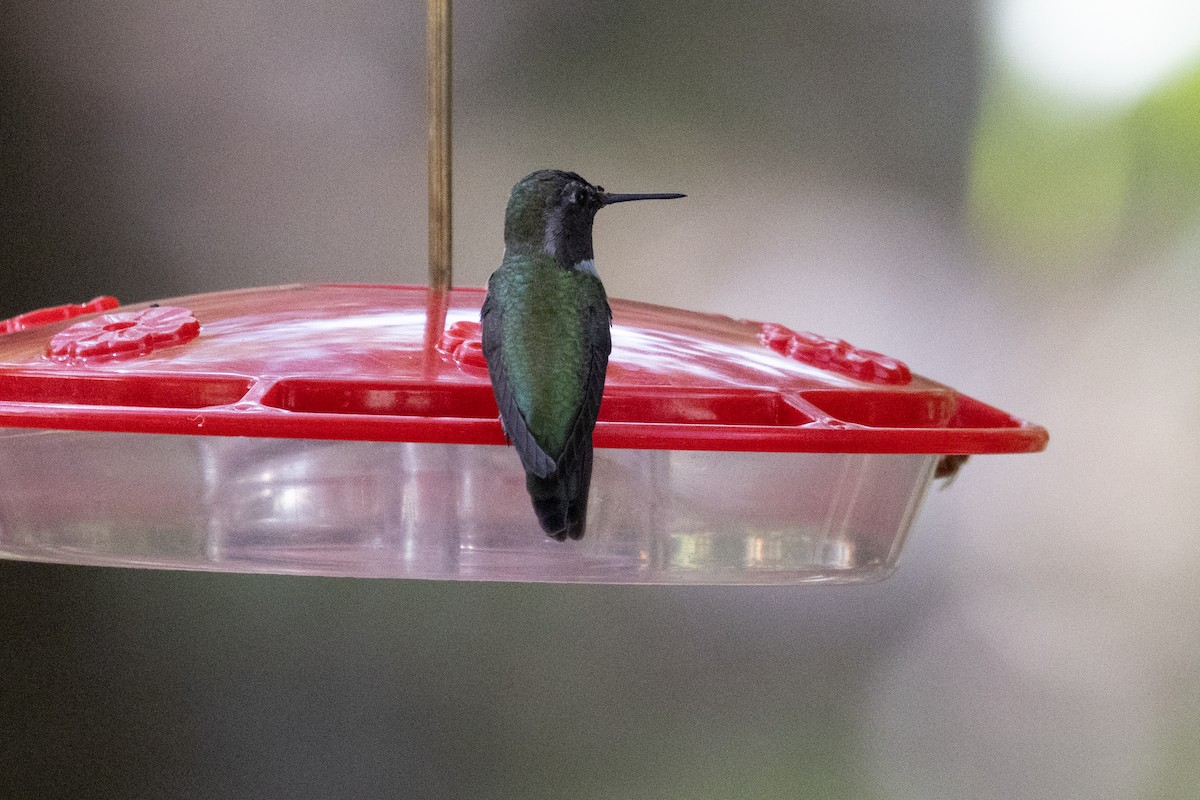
[352, 430]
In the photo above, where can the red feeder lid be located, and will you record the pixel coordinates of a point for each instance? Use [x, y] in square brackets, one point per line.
[397, 363]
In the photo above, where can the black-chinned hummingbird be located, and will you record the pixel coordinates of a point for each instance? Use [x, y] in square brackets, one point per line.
[546, 338]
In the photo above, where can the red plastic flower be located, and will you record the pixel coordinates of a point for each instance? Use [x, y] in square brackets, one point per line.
[835, 355]
[124, 334]
[464, 341]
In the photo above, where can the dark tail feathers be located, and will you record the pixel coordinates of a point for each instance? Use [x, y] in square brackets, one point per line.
[560, 499]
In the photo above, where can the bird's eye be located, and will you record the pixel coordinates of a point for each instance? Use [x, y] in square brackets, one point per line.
[579, 198]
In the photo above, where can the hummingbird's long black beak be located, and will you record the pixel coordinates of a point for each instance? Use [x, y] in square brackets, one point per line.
[608, 198]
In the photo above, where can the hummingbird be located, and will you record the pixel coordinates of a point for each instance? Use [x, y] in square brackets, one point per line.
[546, 337]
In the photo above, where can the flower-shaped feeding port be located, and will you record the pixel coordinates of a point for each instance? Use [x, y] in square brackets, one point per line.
[835, 355]
[464, 341]
[125, 334]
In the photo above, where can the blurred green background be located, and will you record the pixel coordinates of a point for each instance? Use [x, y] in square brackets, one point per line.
[1006, 195]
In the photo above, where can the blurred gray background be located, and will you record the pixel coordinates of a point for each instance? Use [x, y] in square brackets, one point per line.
[1002, 194]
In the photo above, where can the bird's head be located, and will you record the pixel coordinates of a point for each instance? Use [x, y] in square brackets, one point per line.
[552, 211]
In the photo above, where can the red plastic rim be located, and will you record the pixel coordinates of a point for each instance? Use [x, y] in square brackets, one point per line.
[396, 363]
